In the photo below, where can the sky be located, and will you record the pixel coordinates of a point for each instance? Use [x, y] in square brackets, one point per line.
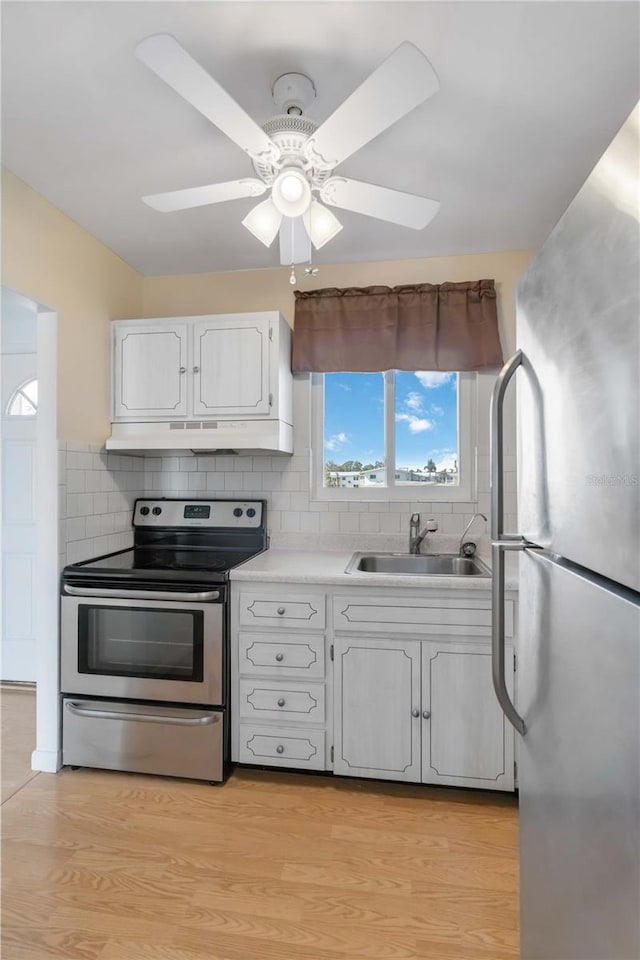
[426, 418]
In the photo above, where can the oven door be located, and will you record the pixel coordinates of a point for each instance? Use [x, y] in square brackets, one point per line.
[151, 649]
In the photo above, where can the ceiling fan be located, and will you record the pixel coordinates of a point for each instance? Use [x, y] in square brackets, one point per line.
[293, 157]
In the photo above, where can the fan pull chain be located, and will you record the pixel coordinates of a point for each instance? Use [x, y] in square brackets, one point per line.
[292, 278]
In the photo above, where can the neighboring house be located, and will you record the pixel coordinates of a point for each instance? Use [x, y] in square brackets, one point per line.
[367, 478]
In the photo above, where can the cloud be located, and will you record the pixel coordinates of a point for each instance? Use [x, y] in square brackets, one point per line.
[344, 386]
[413, 401]
[436, 410]
[447, 462]
[416, 424]
[336, 441]
[431, 380]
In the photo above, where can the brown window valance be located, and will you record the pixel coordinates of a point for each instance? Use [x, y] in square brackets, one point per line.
[426, 326]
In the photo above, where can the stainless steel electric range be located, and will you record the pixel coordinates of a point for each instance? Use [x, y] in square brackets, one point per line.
[144, 640]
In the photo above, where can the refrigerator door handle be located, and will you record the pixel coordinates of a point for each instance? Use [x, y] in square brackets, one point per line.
[497, 632]
[497, 447]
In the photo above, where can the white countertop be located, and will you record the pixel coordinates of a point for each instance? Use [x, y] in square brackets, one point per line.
[328, 567]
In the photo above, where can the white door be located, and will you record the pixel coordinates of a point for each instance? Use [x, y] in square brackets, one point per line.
[231, 367]
[377, 708]
[466, 740]
[150, 371]
[18, 649]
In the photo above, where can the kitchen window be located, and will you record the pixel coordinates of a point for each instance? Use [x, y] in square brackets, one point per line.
[399, 435]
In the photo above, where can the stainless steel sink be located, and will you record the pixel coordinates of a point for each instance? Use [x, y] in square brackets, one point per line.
[408, 564]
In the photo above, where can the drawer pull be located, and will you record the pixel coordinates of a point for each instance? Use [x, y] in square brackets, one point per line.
[426, 714]
[415, 713]
[279, 748]
[281, 702]
[280, 611]
[279, 657]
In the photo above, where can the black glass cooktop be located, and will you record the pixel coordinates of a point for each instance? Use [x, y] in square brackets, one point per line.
[158, 560]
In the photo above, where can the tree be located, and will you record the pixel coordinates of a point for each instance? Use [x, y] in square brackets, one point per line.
[430, 466]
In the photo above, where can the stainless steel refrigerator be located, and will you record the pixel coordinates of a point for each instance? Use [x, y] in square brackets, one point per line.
[577, 695]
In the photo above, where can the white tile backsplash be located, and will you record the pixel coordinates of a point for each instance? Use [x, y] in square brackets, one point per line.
[97, 491]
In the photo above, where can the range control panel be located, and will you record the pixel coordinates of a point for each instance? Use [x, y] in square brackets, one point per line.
[198, 513]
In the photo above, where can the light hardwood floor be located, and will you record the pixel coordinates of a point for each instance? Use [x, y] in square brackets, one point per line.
[269, 866]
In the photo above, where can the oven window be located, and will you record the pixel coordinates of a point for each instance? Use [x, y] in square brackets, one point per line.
[136, 642]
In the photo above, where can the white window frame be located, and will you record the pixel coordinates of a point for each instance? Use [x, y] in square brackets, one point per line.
[464, 490]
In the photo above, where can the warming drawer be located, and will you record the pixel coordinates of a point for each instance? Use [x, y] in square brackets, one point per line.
[141, 738]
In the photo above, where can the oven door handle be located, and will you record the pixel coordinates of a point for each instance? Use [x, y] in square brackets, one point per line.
[142, 594]
[141, 717]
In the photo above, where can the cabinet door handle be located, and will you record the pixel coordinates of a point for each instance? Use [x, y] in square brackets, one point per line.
[280, 611]
[196, 369]
[281, 702]
[426, 714]
[279, 657]
[415, 713]
[183, 369]
[279, 748]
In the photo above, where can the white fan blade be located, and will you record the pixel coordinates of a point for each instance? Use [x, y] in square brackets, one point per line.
[201, 196]
[163, 54]
[399, 84]
[295, 246]
[406, 209]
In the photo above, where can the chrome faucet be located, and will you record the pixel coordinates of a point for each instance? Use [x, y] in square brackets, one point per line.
[468, 548]
[416, 536]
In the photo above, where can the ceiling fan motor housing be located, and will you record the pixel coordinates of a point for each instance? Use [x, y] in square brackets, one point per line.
[289, 132]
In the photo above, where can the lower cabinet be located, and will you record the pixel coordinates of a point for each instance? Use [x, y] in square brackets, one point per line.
[388, 685]
[421, 711]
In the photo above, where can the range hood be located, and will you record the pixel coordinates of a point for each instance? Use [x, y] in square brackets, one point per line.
[186, 437]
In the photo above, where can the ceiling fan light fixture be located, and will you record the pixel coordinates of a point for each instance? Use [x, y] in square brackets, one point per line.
[263, 221]
[291, 192]
[321, 224]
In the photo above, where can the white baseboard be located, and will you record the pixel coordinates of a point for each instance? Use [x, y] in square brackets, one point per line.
[46, 761]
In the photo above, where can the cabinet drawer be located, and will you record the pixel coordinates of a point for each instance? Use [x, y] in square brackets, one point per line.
[288, 656]
[444, 616]
[299, 702]
[299, 611]
[282, 747]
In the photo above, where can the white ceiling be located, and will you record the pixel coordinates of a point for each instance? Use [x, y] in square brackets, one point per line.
[530, 95]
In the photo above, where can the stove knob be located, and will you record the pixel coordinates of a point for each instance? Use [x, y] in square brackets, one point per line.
[237, 512]
[251, 512]
[156, 511]
[144, 511]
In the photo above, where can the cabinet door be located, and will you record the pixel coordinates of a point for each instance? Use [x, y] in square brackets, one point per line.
[466, 739]
[376, 694]
[150, 362]
[231, 367]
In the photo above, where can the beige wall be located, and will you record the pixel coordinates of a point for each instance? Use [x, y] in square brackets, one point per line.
[194, 294]
[49, 258]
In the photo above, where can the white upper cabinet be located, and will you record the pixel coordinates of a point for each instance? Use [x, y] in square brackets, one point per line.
[220, 367]
[150, 365]
[231, 366]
